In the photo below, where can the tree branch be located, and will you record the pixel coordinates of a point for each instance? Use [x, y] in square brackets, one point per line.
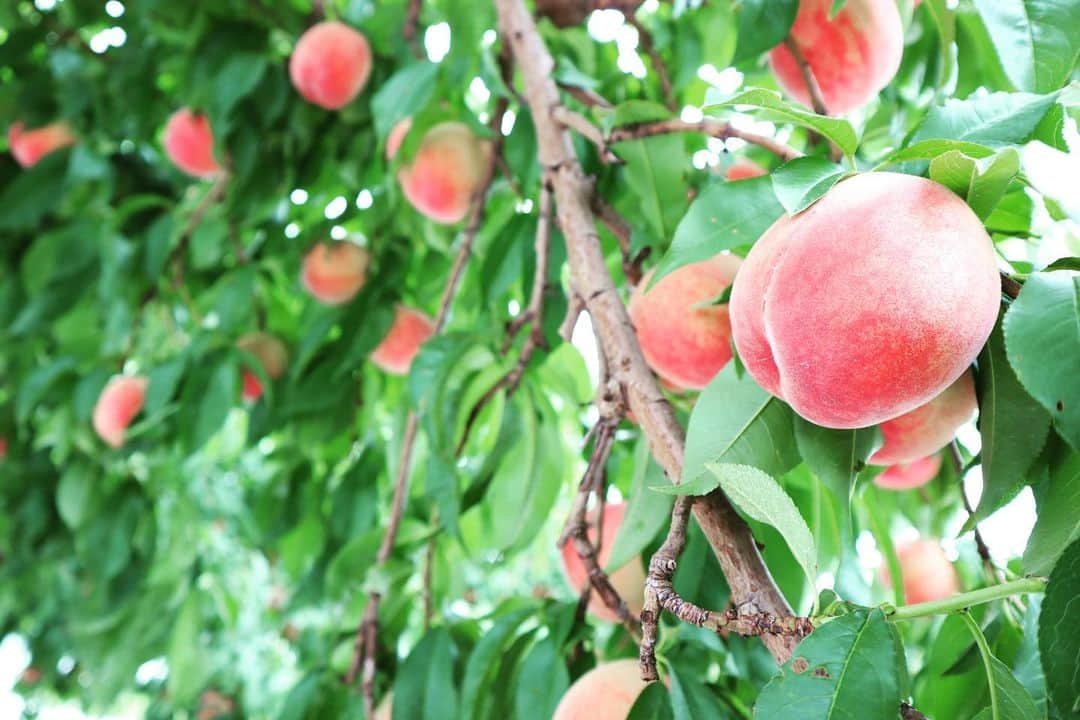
[620, 228]
[726, 532]
[817, 102]
[645, 39]
[412, 23]
[1010, 287]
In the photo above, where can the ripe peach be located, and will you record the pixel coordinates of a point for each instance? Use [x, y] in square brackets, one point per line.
[744, 168]
[928, 574]
[929, 427]
[29, 146]
[907, 476]
[852, 56]
[628, 580]
[190, 144]
[448, 168]
[607, 692]
[868, 304]
[119, 403]
[411, 328]
[271, 354]
[330, 64]
[685, 343]
[397, 136]
[334, 273]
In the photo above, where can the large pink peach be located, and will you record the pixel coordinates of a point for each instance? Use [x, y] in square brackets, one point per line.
[928, 574]
[447, 169]
[29, 146]
[119, 403]
[685, 339]
[607, 692]
[410, 330]
[272, 356]
[334, 273]
[189, 143]
[852, 56]
[868, 304]
[911, 475]
[929, 427]
[396, 136]
[330, 64]
[744, 168]
[628, 580]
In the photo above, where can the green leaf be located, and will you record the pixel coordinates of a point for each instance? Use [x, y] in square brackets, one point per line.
[74, 494]
[836, 457]
[1042, 337]
[187, 667]
[691, 699]
[993, 120]
[404, 94]
[1013, 700]
[1038, 41]
[484, 659]
[1012, 425]
[982, 183]
[930, 149]
[722, 217]
[542, 681]
[838, 130]
[762, 25]
[645, 513]
[800, 182]
[1059, 643]
[424, 685]
[1058, 523]
[846, 669]
[219, 397]
[736, 421]
[654, 703]
[944, 19]
[37, 384]
[762, 498]
[34, 192]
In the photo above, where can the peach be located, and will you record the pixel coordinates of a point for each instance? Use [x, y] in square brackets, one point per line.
[396, 136]
[868, 304]
[910, 475]
[411, 328]
[628, 580]
[29, 146]
[929, 427]
[928, 574]
[334, 273]
[685, 339]
[119, 403]
[744, 168]
[190, 144]
[272, 356]
[447, 169]
[852, 56]
[330, 64]
[607, 692]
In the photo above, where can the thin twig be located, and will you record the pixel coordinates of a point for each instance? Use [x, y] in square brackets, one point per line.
[817, 102]
[980, 544]
[1010, 287]
[585, 96]
[645, 40]
[412, 23]
[620, 228]
[575, 306]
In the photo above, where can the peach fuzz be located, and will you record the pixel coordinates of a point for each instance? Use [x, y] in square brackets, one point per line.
[628, 580]
[929, 427]
[928, 574]
[852, 56]
[189, 143]
[868, 304]
[272, 356]
[334, 272]
[607, 692]
[119, 403]
[29, 146]
[411, 328]
[396, 136]
[684, 343]
[908, 476]
[330, 64]
[448, 167]
[743, 169]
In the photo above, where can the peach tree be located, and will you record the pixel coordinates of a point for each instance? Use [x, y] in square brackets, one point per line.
[540, 358]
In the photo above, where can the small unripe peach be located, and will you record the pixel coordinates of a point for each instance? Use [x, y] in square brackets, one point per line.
[334, 273]
[330, 64]
[447, 169]
[607, 692]
[852, 56]
[929, 427]
[628, 580]
[411, 328]
[928, 574]
[907, 476]
[397, 136]
[869, 303]
[190, 144]
[684, 338]
[272, 356]
[119, 403]
[29, 146]
[744, 168]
